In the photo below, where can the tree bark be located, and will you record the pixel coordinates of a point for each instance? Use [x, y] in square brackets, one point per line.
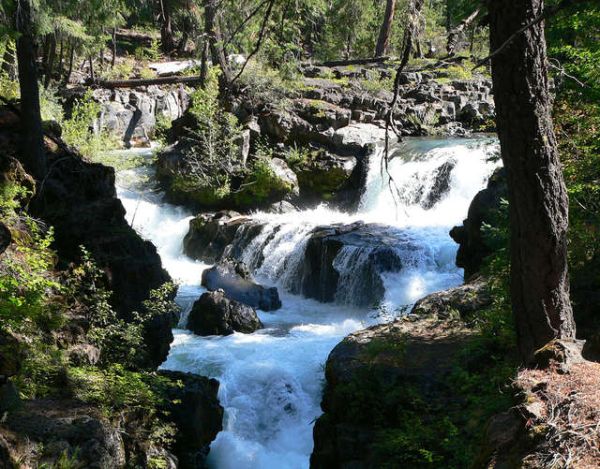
[213, 34]
[114, 47]
[383, 42]
[537, 194]
[71, 60]
[167, 38]
[32, 143]
[51, 59]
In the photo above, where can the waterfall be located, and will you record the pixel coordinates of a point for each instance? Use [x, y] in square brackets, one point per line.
[271, 380]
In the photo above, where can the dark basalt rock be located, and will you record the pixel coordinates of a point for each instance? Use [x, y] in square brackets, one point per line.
[372, 251]
[235, 279]
[63, 427]
[441, 185]
[78, 199]
[195, 410]
[473, 248]
[5, 237]
[210, 235]
[215, 314]
[381, 369]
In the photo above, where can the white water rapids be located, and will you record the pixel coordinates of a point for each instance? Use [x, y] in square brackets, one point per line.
[271, 380]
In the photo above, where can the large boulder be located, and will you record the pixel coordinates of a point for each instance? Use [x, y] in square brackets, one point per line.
[194, 408]
[483, 209]
[235, 279]
[345, 263]
[215, 314]
[380, 382]
[325, 175]
[460, 301]
[210, 235]
[271, 181]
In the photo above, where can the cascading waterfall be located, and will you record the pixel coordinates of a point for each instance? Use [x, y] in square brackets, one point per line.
[271, 381]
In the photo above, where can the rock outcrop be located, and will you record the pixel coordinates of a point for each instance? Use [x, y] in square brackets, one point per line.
[346, 261]
[195, 410]
[132, 114]
[43, 430]
[387, 380]
[234, 278]
[483, 209]
[215, 314]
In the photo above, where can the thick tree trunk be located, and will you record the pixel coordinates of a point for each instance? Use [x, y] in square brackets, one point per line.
[32, 144]
[383, 42]
[71, 60]
[537, 194]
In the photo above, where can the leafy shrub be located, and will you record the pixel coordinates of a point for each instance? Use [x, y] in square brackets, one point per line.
[79, 131]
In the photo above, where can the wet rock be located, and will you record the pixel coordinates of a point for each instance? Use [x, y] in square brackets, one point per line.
[195, 410]
[441, 185]
[224, 234]
[215, 314]
[235, 279]
[483, 209]
[345, 262]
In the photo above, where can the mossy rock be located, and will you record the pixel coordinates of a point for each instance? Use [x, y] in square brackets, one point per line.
[323, 174]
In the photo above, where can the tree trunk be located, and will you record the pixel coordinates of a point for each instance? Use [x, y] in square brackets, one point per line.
[114, 47]
[167, 37]
[454, 34]
[537, 194]
[213, 34]
[51, 59]
[92, 72]
[32, 144]
[61, 59]
[204, 65]
[383, 42]
[71, 60]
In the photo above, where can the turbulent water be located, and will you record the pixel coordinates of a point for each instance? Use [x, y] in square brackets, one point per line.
[271, 381]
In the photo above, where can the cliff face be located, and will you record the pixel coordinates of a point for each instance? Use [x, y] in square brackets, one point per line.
[77, 364]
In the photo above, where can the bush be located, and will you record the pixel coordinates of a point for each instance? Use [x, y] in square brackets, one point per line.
[79, 130]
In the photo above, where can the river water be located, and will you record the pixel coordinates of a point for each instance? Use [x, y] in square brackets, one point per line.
[272, 380]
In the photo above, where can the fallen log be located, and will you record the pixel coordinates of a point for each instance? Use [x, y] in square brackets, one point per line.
[134, 83]
[342, 63]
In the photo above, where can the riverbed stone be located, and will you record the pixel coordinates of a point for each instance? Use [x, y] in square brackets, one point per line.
[235, 279]
[215, 314]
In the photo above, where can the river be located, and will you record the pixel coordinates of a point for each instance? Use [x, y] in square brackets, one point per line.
[272, 380]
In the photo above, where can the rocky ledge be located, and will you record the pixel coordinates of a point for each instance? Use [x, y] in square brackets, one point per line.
[385, 380]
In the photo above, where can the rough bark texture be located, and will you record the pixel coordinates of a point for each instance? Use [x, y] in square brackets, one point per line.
[32, 148]
[537, 193]
[383, 41]
[213, 33]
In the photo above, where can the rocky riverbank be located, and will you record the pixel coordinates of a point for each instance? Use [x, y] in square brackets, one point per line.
[78, 381]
